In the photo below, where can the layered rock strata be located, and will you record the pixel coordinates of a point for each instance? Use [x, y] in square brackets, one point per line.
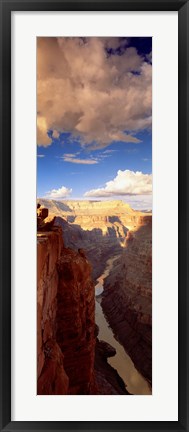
[98, 227]
[127, 297]
[111, 217]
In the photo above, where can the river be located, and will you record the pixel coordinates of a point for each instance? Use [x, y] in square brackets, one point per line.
[134, 381]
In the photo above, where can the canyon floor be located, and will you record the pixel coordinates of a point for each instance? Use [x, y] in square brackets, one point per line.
[94, 232]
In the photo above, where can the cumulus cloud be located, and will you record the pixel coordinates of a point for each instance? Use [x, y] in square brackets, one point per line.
[62, 192]
[95, 96]
[125, 183]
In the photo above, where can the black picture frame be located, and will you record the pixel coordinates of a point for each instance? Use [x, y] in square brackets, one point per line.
[6, 7]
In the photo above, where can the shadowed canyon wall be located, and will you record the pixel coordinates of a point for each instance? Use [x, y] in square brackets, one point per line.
[70, 360]
[127, 296]
[98, 227]
[66, 326]
[52, 378]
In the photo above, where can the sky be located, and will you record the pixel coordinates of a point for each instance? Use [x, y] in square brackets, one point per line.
[94, 108]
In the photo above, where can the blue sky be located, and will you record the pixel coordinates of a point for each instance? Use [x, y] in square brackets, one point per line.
[94, 125]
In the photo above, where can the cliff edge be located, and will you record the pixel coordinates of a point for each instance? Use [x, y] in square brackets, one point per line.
[65, 318]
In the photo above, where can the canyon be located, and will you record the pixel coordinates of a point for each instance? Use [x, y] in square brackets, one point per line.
[99, 227]
[127, 297]
[71, 359]
[74, 243]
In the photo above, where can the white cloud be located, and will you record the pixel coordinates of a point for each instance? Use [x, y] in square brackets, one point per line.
[94, 96]
[69, 155]
[62, 192]
[55, 134]
[40, 155]
[125, 183]
[42, 137]
[109, 151]
[72, 159]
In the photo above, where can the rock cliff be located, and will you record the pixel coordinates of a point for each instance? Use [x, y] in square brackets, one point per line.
[70, 359]
[76, 320]
[66, 325]
[52, 378]
[127, 297]
[98, 227]
[98, 248]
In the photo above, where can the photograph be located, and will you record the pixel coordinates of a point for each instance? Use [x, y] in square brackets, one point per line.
[94, 215]
[94, 276]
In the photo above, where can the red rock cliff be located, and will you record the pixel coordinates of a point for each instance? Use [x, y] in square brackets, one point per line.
[65, 321]
[76, 320]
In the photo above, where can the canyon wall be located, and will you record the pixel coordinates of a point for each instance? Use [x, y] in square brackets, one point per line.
[66, 327]
[70, 358]
[127, 297]
[52, 378]
[98, 247]
[98, 227]
[109, 217]
[66, 293]
[76, 320]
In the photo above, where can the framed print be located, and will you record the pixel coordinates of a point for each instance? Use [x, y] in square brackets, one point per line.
[94, 212]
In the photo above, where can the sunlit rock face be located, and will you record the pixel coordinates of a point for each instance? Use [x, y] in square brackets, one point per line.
[93, 215]
[100, 227]
[104, 218]
[127, 298]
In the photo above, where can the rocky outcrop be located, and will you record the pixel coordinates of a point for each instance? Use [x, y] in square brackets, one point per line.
[127, 297]
[52, 378]
[76, 320]
[65, 323]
